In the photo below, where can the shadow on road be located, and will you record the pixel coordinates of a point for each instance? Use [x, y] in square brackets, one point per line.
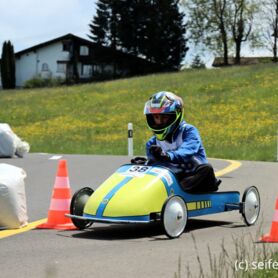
[154, 231]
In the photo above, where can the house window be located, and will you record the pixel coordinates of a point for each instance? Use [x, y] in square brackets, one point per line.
[66, 45]
[97, 68]
[86, 70]
[45, 67]
[84, 50]
[61, 67]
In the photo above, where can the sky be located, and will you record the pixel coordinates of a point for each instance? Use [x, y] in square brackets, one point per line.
[29, 22]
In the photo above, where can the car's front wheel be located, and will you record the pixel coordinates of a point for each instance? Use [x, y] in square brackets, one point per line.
[77, 205]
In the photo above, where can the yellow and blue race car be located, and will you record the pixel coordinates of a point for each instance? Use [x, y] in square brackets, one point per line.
[151, 193]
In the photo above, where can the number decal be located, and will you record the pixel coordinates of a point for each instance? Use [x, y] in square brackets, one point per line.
[138, 169]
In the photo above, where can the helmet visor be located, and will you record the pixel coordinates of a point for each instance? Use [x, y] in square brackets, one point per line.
[160, 122]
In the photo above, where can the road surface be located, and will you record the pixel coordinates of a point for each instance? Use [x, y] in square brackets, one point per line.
[124, 250]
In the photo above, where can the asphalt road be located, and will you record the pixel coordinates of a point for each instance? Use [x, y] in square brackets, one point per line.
[125, 250]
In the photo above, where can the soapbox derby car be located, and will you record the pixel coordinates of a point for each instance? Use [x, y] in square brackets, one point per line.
[151, 193]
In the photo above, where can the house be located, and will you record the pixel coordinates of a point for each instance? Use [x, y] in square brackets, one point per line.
[75, 59]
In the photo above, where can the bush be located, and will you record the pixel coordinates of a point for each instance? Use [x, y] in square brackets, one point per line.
[197, 63]
[39, 82]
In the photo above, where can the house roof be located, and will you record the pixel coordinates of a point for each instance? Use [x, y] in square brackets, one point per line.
[87, 42]
[40, 45]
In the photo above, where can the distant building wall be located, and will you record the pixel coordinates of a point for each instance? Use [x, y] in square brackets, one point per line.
[45, 62]
[25, 68]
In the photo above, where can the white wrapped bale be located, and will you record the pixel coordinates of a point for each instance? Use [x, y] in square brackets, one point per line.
[10, 143]
[13, 209]
[7, 145]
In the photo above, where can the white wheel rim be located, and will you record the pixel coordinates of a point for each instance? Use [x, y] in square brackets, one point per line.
[175, 216]
[251, 206]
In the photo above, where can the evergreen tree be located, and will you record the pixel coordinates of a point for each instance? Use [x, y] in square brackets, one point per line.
[197, 63]
[99, 24]
[167, 33]
[153, 29]
[8, 66]
[103, 27]
[132, 25]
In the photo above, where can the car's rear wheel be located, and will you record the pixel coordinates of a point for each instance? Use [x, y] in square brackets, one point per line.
[251, 205]
[77, 205]
[174, 216]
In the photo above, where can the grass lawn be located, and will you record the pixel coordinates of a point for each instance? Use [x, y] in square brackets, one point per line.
[235, 110]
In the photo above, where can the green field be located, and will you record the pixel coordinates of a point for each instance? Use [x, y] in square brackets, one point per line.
[235, 110]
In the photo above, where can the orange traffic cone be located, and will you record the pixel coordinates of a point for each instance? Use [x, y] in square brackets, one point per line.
[60, 202]
[273, 236]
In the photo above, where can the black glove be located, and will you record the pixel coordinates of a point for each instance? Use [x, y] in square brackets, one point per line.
[138, 160]
[158, 153]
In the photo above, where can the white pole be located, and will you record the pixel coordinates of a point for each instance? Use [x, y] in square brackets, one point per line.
[130, 139]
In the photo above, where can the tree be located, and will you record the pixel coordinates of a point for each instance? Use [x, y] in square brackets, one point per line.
[241, 24]
[219, 23]
[153, 29]
[165, 33]
[8, 66]
[209, 24]
[271, 33]
[104, 25]
[197, 63]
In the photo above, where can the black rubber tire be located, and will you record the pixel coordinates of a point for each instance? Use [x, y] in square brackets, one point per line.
[77, 205]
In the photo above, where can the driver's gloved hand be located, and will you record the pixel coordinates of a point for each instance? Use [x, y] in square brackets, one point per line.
[158, 153]
[138, 160]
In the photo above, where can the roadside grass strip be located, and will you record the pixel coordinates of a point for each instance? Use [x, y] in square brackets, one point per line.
[6, 233]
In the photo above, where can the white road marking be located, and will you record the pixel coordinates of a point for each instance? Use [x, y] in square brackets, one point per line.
[55, 157]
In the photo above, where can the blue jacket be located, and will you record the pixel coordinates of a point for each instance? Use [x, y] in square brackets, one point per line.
[185, 150]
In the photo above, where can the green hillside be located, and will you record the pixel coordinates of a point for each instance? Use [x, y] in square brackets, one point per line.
[234, 108]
